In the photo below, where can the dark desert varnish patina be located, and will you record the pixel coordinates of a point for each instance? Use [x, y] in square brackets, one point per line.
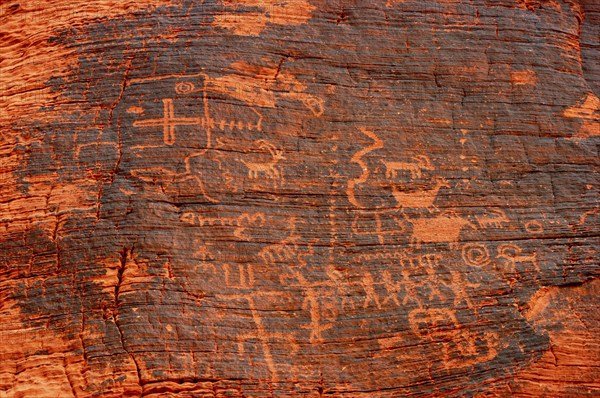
[299, 198]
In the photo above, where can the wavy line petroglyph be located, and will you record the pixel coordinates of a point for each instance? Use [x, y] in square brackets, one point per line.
[357, 158]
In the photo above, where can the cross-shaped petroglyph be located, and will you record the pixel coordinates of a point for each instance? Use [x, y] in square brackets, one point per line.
[169, 121]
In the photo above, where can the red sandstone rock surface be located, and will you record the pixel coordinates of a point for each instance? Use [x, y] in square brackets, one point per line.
[299, 198]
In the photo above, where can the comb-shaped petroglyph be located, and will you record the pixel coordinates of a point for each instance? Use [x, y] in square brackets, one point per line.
[241, 222]
[286, 251]
[245, 275]
[496, 218]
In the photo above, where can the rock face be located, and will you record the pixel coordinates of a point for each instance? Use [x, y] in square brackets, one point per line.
[300, 198]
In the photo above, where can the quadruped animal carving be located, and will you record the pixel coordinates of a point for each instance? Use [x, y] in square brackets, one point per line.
[421, 162]
[512, 253]
[154, 174]
[254, 86]
[269, 168]
[262, 86]
[419, 199]
[444, 228]
[496, 219]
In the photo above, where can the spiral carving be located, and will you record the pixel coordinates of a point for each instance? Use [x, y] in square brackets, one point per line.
[476, 254]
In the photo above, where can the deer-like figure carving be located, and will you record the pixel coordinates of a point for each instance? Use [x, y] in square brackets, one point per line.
[512, 253]
[415, 168]
[419, 199]
[270, 168]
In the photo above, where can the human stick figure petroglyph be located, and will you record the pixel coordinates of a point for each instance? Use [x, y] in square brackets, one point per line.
[415, 168]
[263, 334]
[312, 304]
[357, 158]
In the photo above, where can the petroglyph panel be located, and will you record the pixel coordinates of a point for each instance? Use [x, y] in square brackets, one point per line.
[298, 198]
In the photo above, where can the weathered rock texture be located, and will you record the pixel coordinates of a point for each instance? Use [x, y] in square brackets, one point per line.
[299, 198]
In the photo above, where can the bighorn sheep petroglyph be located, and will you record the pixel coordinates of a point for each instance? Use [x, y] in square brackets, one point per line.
[269, 169]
